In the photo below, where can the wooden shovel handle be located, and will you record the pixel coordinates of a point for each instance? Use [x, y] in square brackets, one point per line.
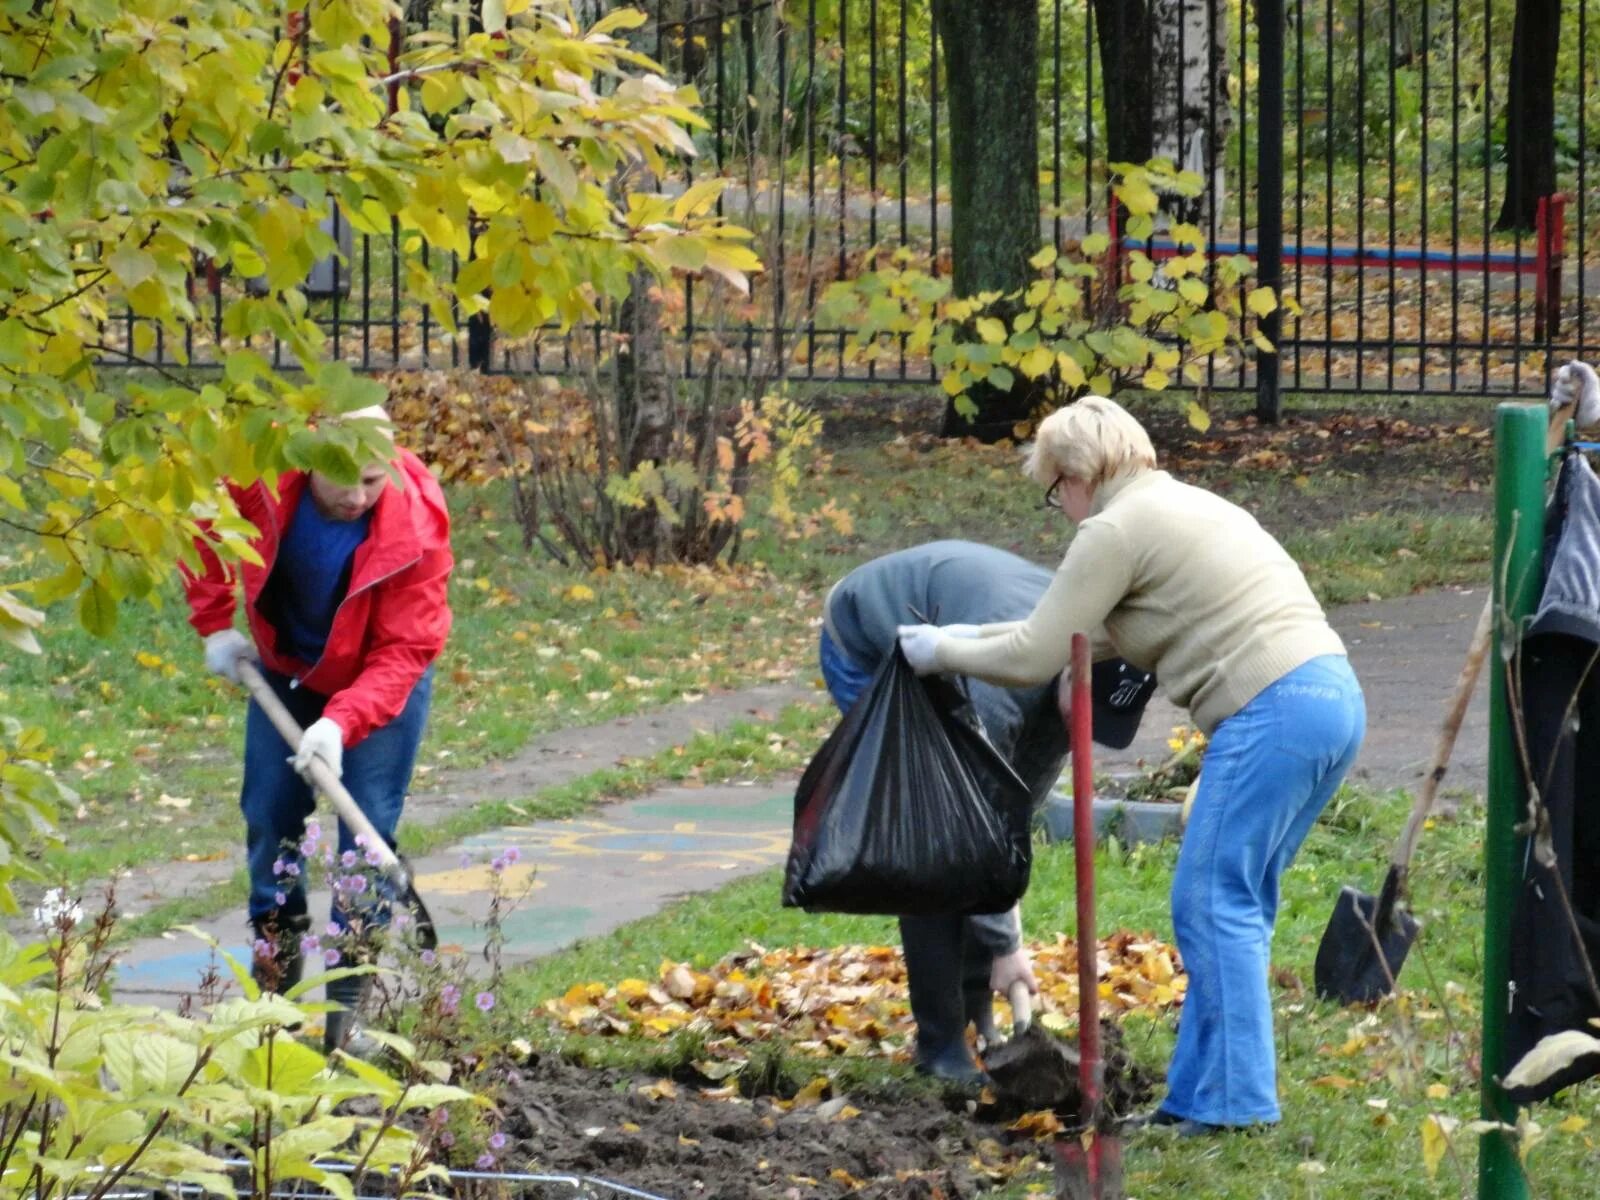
[322, 776]
[1477, 651]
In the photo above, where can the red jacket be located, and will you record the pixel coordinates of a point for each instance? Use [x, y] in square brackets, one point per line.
[393, 621]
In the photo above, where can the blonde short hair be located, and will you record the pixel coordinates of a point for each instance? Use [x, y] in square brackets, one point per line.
[1091, 441]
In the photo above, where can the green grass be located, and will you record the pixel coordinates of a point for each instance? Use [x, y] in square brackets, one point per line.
[1355, 1086]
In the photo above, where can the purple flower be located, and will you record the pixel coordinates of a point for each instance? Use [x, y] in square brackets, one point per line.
[449, 999]
[347, 860]
[292, 870]
[401, 920]
[280, 899]
[329, 858]
[356, 883]
[373, 857]
[279, 867]
[361, 839]
[446, 1139]
[429, 958]
[335, 929]
[512, 854]
[265, 950]
[310, 944]
[498, 865]
[485, 1001]
[497, 1141]
[485, 1161]
[330, 957]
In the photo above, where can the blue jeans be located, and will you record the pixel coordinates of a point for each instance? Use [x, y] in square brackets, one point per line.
[1268, 772]
[845, 680]
[276, 801]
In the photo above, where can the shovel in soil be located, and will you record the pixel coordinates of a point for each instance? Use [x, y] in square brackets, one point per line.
[393, 867]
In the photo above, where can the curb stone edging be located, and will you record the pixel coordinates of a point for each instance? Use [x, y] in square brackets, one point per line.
[1131, 821]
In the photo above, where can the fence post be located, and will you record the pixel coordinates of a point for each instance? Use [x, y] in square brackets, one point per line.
[1269, 198]
[1519, 479]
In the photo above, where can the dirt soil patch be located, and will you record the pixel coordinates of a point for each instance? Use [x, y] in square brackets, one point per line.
[682, 1141]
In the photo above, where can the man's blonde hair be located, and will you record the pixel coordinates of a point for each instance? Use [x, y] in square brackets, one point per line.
[1091, 441]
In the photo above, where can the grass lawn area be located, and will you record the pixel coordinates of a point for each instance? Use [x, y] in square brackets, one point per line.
[1356, 1086]
[1376, 500]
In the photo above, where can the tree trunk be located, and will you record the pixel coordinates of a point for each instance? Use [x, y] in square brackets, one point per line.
[1124, 34]
[645, 410]
[1531, 112]
[1189, 70]
[991, 65]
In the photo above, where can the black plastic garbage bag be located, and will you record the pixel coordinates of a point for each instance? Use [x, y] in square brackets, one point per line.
[907, 809]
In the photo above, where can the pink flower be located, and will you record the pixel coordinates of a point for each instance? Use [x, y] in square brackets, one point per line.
[485, 1001]
[497, 1141]
[330, 957]
[485, 1161]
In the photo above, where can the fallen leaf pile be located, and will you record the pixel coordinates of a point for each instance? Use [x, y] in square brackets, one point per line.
[844, 1001]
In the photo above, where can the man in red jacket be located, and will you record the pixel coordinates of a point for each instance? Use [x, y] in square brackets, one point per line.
[346, 612]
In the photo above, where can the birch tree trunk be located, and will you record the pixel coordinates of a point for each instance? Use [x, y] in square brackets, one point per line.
[1190, 113]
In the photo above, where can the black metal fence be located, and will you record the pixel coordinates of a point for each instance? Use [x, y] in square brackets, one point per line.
[1384, 189]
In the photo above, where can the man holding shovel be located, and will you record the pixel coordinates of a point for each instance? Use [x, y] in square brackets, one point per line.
[347, 612]
[954, 963]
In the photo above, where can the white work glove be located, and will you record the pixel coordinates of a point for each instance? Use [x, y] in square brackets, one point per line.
[325, 740]
[959, 631]
[224, 649]
[1008, 968]
[920, 645]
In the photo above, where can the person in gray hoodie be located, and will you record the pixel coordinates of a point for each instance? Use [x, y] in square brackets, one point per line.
[955, 962]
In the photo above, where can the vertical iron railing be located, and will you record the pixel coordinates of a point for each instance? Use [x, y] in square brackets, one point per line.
[1386, 120]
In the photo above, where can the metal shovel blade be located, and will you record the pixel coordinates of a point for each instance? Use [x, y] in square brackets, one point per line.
[1352, 967]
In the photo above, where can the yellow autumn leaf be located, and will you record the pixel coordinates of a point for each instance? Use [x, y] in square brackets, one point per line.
[1435, 1141]
[1198, 417]
[1437, 1091]
[992, 330]
[813, 1092]
[151, 662]
[579, 593]
[1261, 301]
[1573, 1124]
[1043, 258]
[1036, 361]
[1155, 379]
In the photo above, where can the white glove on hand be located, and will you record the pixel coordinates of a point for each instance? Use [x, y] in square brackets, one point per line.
[324, 740]
[224, 649]
[920, 645]
[959, 631]
[1008, 968]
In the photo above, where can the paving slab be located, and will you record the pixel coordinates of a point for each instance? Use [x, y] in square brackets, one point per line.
[572, 879]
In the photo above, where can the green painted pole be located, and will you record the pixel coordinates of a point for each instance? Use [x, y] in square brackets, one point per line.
[1519, 490]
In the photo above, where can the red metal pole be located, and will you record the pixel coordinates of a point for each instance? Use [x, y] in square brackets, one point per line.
[1089, 1069]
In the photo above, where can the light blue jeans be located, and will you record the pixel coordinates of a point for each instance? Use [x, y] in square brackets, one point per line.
[1269, 771]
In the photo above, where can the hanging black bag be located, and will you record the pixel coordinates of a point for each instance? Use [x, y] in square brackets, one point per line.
[907, 809]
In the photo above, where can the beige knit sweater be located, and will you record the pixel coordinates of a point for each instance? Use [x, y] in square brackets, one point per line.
[1177, 581]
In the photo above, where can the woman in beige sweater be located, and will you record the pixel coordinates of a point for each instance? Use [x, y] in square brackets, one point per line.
[1181, 582]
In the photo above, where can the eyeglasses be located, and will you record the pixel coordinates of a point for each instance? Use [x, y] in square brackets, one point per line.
[1050, 499]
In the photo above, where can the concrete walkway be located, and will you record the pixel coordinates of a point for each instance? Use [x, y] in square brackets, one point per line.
[579, 878]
